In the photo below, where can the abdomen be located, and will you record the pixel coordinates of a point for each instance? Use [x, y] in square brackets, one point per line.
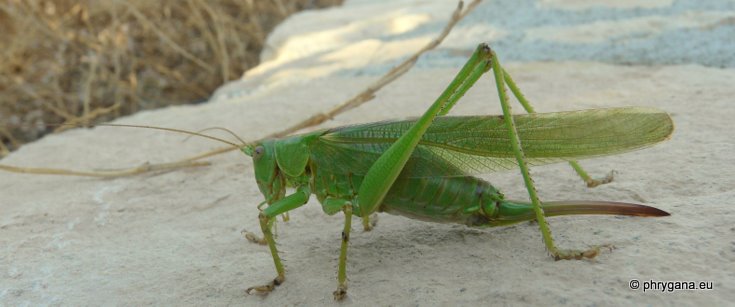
[436, 199]
[464, 200]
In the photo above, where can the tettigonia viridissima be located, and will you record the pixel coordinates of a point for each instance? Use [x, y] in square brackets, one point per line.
[422, 168]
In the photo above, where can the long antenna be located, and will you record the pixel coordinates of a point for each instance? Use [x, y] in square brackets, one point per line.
[222, 129]
[181, 131]
[247, 148]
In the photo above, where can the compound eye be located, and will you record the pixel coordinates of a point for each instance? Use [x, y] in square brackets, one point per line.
[258, 152]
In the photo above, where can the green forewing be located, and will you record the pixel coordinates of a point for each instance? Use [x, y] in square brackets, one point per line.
[462, 145]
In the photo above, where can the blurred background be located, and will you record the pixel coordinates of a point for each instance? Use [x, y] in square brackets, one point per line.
[76, 62]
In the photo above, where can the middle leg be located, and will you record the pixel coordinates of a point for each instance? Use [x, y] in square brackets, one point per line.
[341, 291]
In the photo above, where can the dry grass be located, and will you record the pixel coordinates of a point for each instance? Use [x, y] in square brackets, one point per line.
[77, 62]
